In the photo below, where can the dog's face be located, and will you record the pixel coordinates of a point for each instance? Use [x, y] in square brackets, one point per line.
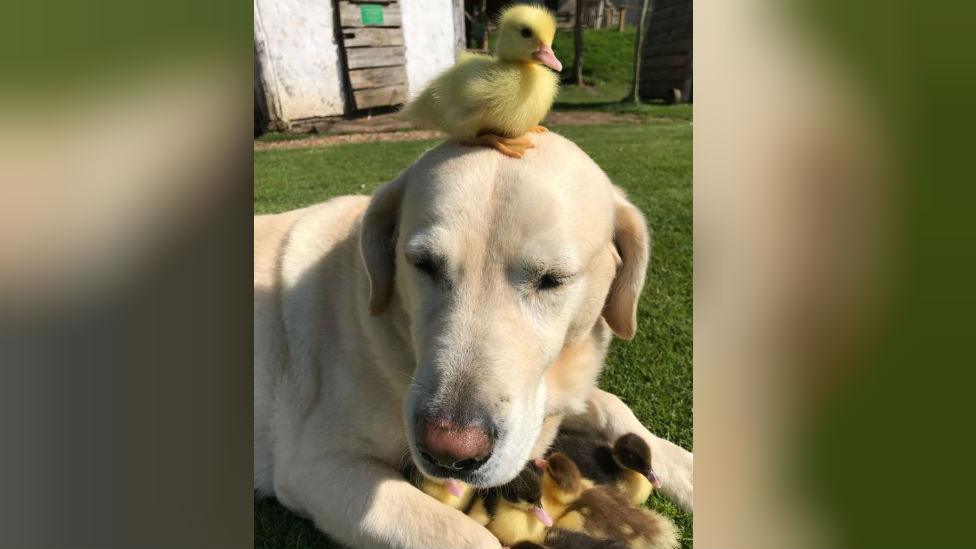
[498, 264]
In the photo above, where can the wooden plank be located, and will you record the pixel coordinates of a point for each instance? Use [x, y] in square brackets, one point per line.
[350, 15]
[372, 36]
[381, 97]
[361, 58]
[377, 78]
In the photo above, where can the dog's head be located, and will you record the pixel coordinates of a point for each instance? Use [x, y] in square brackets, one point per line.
[498, 264]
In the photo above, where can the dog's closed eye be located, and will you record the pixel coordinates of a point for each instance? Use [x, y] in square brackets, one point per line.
[549, 281]
[429, 266]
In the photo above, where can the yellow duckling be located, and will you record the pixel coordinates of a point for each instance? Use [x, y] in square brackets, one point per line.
[626, 465]
[514, 512]
[495, 100]
[450, 492]
[601, 512]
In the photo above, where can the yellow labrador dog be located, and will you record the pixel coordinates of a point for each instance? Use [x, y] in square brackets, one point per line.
[455, 318]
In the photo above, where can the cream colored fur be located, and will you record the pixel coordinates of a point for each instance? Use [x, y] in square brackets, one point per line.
[336, 387]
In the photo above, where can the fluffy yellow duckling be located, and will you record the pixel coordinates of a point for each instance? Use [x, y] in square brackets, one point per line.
[601, 512]
[626, 464]
[514, 512]
[495, 100]
[450, 492]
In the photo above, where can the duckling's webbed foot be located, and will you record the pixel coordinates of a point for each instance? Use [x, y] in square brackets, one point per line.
[538, 129]
[514, 147]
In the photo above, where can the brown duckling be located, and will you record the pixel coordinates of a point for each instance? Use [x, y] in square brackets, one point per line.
[626, 464]
[514, 512]
[565, 539]
[601, 512]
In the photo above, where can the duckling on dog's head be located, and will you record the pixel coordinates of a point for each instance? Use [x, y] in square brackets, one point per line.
[491, 272]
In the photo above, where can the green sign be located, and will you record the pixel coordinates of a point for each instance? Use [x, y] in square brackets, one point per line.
[371, 14]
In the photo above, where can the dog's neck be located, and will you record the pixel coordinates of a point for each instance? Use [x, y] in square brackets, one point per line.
[574, 372]
[570, 380]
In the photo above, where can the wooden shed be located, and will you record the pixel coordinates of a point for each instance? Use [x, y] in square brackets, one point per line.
[322, 59]
[666, 58]
[371, 44]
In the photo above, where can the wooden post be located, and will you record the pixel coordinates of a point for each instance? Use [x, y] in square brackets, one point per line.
[484, 20]
[578, 44]
[639, 51]
[460, 42]
[622, 18]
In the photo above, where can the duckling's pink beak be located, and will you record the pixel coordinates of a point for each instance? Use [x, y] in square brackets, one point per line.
[547, 57]
[655, 482]
[453, 487]
[543, 516]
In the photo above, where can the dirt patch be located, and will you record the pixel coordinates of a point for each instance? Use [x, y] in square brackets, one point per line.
[586, 118]
[326, 140]
[384, 128]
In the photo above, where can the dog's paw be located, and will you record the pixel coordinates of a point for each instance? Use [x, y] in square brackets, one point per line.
[678, 484]
[475, 537]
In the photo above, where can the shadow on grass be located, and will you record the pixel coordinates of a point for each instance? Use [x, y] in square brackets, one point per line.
[276, 527]
[595, 106]
[648, 111]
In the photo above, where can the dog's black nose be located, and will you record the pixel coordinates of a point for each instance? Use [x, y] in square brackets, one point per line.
[452, 445]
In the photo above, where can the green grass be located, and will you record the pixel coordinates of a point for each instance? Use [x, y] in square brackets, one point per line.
[652, 373]
[608, 65]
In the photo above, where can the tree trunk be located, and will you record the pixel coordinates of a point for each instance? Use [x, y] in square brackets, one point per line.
[578, 44]
[639, 51]
[484, 20]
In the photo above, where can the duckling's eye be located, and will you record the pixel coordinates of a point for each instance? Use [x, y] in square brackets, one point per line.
[526, 32]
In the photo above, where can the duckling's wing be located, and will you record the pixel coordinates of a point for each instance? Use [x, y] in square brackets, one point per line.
[464, 56]
[662, 533]
[443, 104]
[567, 539]
[422, 111]
[466, 95]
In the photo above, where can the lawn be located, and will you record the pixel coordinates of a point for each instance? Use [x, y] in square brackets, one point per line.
[608, 66]
[652, 373]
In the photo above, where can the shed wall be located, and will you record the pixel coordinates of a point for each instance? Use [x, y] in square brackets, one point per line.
[430, 35]
[296, 47]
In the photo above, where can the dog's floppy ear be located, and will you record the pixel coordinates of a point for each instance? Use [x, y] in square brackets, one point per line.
[631, 242]
[377, 243]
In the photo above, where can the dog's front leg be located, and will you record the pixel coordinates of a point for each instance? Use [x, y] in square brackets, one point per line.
[672, 463]
[366, 504]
